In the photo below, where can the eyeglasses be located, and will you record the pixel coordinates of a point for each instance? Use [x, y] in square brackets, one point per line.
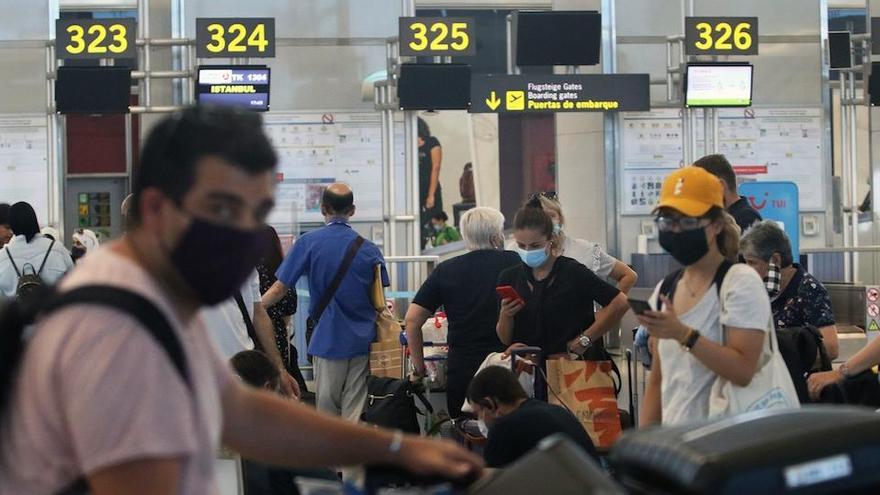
[551, 195]
[684, 224]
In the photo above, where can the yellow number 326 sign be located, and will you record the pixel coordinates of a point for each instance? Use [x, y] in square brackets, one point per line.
[235, 37]
[721, 35]
[90, 38]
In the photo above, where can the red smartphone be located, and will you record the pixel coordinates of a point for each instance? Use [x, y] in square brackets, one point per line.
[508, 292]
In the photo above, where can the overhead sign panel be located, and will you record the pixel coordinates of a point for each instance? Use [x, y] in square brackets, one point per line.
[225, 37]
[721, 35]
[433, 36]
[90, 38]
[534, 93]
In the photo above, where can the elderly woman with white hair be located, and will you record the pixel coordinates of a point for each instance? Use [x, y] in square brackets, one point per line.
[465, 287]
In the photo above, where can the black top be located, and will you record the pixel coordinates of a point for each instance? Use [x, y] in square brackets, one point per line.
[744, 214]
[560, 307]
[805, 301]
[514, 435]
[465, 287]
[425, 166]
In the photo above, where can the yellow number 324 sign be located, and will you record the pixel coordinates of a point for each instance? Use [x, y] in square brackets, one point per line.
[90, 38]
[224, 37]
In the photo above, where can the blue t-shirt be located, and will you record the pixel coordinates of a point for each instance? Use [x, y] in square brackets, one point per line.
[348, 325]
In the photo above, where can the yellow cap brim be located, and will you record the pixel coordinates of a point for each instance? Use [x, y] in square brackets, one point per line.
[685, 206]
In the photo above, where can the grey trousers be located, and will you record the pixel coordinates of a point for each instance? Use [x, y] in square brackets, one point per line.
[341, 386]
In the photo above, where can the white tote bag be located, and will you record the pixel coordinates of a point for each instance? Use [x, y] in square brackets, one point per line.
[770, 388]
[527, 380]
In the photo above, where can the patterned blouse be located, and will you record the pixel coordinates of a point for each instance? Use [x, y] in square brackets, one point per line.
[285, 307]
[804, 301]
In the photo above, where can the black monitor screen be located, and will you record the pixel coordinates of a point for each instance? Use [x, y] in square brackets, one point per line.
[838, 49]
[93, 89]
[242, 86]
[874, 84]
[558, 38]
[434, 87]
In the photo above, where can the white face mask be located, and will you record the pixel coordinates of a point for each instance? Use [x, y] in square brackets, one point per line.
[484, 430]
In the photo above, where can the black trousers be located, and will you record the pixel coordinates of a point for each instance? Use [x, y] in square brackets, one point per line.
[461, 368]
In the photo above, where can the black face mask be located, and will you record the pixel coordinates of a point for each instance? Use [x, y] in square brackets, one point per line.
[214, 260]
[686, 247]
[77, 252]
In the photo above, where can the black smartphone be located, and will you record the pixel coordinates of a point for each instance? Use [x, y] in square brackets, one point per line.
[638, 306]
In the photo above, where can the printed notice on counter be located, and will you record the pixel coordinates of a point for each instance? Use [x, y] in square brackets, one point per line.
[762, 144]
[559, 93]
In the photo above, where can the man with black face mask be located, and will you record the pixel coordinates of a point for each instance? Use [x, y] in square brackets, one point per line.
[95, 396]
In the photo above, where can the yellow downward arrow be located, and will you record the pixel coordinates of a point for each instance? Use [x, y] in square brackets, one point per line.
[493, 101]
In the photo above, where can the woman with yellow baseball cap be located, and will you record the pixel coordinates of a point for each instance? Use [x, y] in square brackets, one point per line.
[713, 317]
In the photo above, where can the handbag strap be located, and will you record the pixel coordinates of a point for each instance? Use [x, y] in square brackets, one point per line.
[248, 321]
[772, 328]
[337, 278]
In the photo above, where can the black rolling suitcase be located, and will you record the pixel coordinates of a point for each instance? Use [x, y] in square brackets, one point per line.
[814, 450]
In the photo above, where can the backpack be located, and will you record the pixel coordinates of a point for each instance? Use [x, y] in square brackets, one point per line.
[391, 404]
[799, 346]
[30, 285]
[15, 316]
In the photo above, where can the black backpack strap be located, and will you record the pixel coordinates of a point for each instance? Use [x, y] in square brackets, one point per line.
[248, 321]
[140, 308]
[46, 257]
[668, 285]
[337, 278]
[14, 266]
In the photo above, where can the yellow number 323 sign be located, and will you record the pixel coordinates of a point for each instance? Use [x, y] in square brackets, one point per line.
[90, 38]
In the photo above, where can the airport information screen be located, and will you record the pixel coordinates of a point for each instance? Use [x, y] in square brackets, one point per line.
[719, 86]
[245, 87]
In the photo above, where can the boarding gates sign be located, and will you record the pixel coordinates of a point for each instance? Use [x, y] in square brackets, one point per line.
[534, 93]
[777, 201]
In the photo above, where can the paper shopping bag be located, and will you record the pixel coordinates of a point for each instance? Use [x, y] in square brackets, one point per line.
[386, 359]
[586, 388]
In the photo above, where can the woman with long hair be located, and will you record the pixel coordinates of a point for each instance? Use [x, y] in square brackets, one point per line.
[712, 327]
[30, 250]
[281, 312]
[555, 309]
[430, 193]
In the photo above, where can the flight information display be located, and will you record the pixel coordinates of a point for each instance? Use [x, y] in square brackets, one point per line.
[718, 85]
[242, 86]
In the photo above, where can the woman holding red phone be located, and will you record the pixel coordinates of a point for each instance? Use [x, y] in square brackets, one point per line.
[557, 294]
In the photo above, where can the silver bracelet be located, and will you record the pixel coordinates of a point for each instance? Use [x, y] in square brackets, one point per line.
[396, 442]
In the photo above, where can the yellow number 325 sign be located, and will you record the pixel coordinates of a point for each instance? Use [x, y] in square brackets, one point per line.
[721, 35]
[235, 37]
[436, 36]
[89, 38]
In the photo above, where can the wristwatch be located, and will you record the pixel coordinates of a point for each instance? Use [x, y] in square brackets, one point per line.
[585, 342]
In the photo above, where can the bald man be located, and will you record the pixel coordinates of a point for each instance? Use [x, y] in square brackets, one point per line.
[343, 316]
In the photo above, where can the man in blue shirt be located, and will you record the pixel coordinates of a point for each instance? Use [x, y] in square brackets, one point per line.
[344, 331]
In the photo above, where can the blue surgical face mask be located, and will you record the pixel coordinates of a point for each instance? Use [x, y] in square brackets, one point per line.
[557, 228]
[533, 258]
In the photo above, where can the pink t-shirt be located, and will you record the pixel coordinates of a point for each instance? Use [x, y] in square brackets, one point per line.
[94, 390]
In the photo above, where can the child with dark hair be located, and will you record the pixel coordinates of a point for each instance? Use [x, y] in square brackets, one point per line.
[443, 233]
[556, 309]
[515, 423]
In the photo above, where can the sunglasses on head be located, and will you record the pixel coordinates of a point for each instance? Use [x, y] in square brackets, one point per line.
[551, 195]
